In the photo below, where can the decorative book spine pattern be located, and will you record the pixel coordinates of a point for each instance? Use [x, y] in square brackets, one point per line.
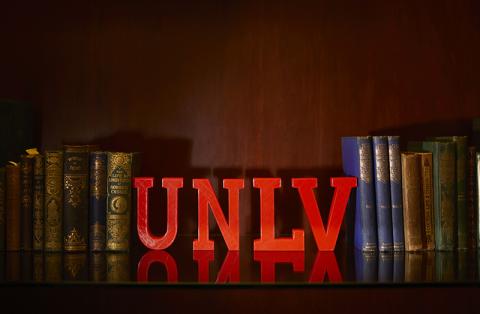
[119, 195]
[26, 196]
[396, 192]
[382, 191]
[98, 200]
[38, 202]
[2, 209]
[427, 198]
[357, 161]
[53, 200]
[75, 215]
[412, 201]
[13, 221]
[471, 213]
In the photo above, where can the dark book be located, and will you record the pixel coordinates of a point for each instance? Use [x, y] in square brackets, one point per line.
[119, 201]
[476, 133]
[98, 200]
[381, 169]
[13, 213]
[3, 184]
[16, 129]
[75, 198]
[428, 222]
[53, 266]
[357, 162]
[385, 267]
[38, 201]
[444, 193]
[412, 201]
[98, 266]
[471, 212]
[75, 266]
[53, 201]
[395, 164]
[26, 197]
[477, 198]
[366, 266]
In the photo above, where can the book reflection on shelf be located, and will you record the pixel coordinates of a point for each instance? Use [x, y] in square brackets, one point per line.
[98, 267]
[466, 261]
[398, 266]
[53, 266]
[38, 267]
[413, 266]
[385, 267]
[445, 262]
[14, 266]
[75, 266]
[2, 266]
[366, 269]
[118, 267]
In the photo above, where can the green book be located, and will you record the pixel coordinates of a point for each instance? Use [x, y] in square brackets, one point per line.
[461, 170]
[444, 192]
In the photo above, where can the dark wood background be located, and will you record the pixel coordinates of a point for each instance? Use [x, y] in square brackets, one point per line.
[241, 88]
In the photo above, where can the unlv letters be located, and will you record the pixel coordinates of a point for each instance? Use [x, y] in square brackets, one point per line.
[324, 238]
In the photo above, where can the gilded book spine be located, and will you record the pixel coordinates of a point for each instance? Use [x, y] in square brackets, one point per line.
[98, 200]
[396, 192]
[2, 209]
[471, 213]
[119, 195]
[38, 201]
[427, 197]
[53, 200]
[75, 192]
[26, 195]
[412, 201]
[13, 221]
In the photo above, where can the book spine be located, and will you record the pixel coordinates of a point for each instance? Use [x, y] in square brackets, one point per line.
[461, 176]
[427, 198]
[98, 200]
[38, 202]
[13, 215]
[2, 208]
[447, 219]
[477, 199]
[412, 201]
[382, 192]
[75, 215]
[53, 200]
[396, 192]
[26, 196]
[476, 133]
[471, 213]
[119, 196]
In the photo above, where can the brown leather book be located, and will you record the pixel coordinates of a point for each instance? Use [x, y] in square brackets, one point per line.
[471, 186]
[38, 202]
[412, 201]
[13, 207]
[428, 223]
[26, 196]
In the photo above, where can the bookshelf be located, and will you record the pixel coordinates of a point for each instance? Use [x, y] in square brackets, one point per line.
[244, 89]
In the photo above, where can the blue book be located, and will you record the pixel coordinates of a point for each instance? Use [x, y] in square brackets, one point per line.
[381, 170]
[396, 192]
[357, 162]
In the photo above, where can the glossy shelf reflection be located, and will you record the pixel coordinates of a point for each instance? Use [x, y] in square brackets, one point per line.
[181, 265]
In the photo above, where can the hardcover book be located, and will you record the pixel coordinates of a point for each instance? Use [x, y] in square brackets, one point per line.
[357, 162]
[38, 201]
[2, 209]
[53, 200]
[412, 201]
[75, 193]
[26, 195]
[13, 216]
[381, 169]
[477, 199]
[98, 200]
[396, 192]
[428, 222]
[471, 212]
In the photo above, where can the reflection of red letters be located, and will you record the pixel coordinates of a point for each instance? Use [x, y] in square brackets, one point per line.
[325, 240]
[229, 272]
[206, 197]
[149, 240]
[161, 257]
[325, 263]
[269, 259]
[267, 241]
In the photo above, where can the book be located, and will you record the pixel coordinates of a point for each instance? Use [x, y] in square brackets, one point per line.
[38, 201]
[12, 208]
[75, 198]
[53, 201]
[357, 162]
[396, 192]
[477, 199]
[381, 169]
[476, 133]
[444, 194]
[412, 201]
[2, 208]
[471, 212]
[26, 199]
[119, 201]
[98, 200]
[428, 223]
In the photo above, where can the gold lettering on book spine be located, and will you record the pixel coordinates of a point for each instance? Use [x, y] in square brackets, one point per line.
[53, 200]
[98, 187]
[38, 202]
[394, 158]
[381, 162]
[365, 163]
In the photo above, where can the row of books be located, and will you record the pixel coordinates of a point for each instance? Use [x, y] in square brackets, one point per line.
[71, 199]
[420, 199]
